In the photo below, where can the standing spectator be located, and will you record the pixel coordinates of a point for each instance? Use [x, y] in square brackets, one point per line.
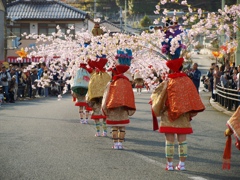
[1, 95]
[196, 75]
[5, 78]
[12, 89]
[20, 82]
[10, 68]
[46, 82]
[27, 81]
[40, 74]
[216, 81]
[210, 79]
[224, 80]
[234, 78]
[13, 72]
[33, 77]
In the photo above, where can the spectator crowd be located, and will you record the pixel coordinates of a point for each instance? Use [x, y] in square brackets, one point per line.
[18, 83]
[225, 76]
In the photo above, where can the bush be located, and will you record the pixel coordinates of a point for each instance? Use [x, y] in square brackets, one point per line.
[145, 21]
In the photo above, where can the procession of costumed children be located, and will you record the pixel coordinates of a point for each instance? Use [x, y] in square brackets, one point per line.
[97, 91]
[112, 99]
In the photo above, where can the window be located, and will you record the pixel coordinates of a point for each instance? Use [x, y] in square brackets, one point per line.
[48, 29]
[17, 29]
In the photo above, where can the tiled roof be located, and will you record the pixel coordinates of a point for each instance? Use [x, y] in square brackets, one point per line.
[115, 28]
[110, 26]
[43, 10]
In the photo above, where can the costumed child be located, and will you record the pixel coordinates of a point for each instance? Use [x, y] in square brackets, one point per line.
[118, 101]
[233, 125]
[97, 84]
[176, 101]
[139, 83]
[80, 89]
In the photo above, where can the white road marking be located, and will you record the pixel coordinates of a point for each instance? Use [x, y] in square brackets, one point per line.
[147, 159]
[162, 165]
[197, 178]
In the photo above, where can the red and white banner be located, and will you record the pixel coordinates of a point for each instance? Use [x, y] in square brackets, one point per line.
[14, 59]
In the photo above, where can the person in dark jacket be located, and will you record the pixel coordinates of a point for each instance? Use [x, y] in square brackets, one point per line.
[196, 75]
[33, 78]
[12, 89]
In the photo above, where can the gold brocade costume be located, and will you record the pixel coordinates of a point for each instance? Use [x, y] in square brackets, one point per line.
[234, 124]
[97, 84]
[96, 87]
[233, 128]
[118, 102]
[183, 98]
[169, 100]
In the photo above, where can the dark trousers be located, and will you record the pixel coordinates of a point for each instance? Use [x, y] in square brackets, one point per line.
[11, 96]
[5, 91]
[40, 91]
[213, 95]
[30, 91]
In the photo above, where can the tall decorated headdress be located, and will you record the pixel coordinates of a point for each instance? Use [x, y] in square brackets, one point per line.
[124, 58]
[172, 30]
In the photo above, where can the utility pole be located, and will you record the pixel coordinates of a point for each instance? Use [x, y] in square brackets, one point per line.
[237, 61]
[121, 19]
[223, 4]
[95, 9]
[222, 35]
[125, 19]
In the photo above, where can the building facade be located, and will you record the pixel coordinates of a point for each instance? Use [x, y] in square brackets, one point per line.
[40, 17]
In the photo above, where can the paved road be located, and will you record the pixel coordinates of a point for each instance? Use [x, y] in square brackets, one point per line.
[43, 139]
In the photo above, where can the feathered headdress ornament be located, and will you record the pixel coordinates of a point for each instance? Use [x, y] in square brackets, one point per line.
[124, 57]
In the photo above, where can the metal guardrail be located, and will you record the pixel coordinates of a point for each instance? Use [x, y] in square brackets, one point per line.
[227, 97]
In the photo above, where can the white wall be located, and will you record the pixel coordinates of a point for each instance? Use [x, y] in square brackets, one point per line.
[33, 27]
[81, 25]
[90, 25]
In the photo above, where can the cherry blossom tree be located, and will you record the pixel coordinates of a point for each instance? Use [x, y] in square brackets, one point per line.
[150, 50]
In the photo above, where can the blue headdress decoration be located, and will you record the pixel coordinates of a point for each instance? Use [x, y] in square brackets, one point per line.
[124, 57]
